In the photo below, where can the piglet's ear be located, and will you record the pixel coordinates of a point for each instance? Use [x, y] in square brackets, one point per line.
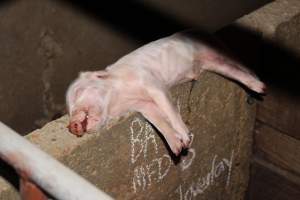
[85, 74]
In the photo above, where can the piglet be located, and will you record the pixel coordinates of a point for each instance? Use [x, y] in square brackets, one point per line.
[140, 82]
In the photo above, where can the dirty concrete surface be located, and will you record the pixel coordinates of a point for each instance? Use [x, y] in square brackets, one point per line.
[128, 159]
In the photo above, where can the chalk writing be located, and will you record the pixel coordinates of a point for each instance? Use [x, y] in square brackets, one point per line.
[142, 137]
[199, 185]
[155, 171]
[187, 160]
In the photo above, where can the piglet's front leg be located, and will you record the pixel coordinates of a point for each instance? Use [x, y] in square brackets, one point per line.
[161, 99]
[153, 114]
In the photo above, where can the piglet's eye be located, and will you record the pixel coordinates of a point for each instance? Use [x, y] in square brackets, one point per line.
[102, 76]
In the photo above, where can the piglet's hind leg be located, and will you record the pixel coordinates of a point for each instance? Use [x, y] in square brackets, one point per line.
[212, 61]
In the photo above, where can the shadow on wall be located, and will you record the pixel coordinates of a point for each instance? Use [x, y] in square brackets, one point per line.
[5, 2]
[144, 22]
[133, 18]
[274, 64]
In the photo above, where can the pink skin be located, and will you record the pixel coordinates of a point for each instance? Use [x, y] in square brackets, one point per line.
[140, 81]
[84, 104]
[78, 124]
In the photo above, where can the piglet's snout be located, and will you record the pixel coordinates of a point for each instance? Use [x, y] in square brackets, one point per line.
[78, 128]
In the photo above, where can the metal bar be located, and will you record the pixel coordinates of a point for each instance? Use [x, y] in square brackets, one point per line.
[49, 174]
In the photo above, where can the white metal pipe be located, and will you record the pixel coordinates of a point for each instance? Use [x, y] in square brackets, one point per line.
[49, 174]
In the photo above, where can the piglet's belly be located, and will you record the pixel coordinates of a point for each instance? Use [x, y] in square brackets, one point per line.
[174, 68]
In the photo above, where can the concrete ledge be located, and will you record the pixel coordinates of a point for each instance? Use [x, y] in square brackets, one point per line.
[129, 160]
[266, 19]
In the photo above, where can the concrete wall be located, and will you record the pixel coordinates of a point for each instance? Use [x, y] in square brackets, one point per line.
[271, 40]
[45, 43]
[129, 160]
[276, 160]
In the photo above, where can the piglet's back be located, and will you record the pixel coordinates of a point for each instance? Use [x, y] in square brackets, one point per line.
[167, 58]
